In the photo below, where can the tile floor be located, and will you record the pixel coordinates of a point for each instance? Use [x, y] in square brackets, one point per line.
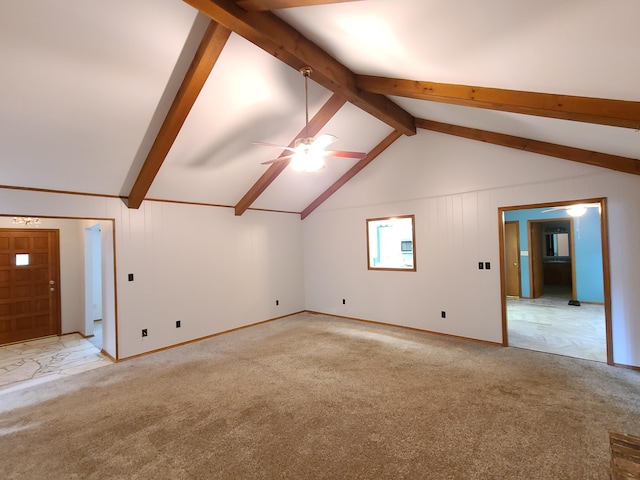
[45, 359]
[548, 324]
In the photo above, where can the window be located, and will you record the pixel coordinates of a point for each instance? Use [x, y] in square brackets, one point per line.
[22, 259]
[391, 243]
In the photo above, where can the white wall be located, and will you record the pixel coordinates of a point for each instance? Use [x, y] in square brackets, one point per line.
[455, 187]
[201, 265]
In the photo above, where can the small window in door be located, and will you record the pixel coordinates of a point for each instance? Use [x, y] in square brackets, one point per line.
[22, 259]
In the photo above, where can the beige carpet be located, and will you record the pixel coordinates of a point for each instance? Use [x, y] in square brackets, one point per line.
[310, 397]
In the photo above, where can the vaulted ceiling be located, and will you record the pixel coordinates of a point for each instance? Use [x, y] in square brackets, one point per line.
[164, 99]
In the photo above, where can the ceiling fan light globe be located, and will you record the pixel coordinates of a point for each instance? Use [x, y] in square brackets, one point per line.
[315, 163]
[307, 161]
[323, 141]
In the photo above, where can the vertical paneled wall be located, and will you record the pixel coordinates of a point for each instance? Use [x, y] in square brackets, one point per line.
[201, 265]
[205, 267]
[455, 188]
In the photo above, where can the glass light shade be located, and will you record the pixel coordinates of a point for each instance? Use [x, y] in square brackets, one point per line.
[577, 210]
[307, 161]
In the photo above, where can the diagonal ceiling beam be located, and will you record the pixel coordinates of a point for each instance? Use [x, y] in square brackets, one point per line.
[263, 5]
[604, 160]
[318, 121]
[278, 38]
[205, 58]
[353, 171]
[617, 113]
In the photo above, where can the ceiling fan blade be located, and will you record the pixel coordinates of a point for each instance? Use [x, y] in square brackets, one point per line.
[553, 209]
[279, 159]
[265, 144]
[324, 140]
[342, 154]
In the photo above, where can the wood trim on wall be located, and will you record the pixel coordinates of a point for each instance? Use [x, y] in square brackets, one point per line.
[606, 274]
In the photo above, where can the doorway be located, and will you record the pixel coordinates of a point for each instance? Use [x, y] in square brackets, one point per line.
[72, 303]
[93, 285]
[552, 258]
[563, 305]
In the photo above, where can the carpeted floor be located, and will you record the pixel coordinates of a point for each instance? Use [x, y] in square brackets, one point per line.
[311, 397]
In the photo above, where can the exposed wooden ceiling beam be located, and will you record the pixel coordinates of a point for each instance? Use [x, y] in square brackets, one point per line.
[318, 121]
[381, 147]
[604, 160]
[618, 113]
[263, 5]
[278, 38]
[213, 41]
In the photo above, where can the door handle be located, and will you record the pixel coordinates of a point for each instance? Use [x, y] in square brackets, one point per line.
[52, 289]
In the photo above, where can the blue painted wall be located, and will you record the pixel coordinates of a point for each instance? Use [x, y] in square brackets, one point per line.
[588, 250]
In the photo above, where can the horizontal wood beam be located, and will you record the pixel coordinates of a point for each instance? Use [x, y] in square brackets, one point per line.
[353, 171]
[211, 46]
[281, 40]
[319, 120]
[263, 5]
[617, 113]
[604, 160]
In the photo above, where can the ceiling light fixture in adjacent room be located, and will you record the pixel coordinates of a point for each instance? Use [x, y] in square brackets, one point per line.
[27, 221]
[577, 210]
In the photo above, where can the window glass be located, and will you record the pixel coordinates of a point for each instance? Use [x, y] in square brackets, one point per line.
[391, 243]
[22, 259]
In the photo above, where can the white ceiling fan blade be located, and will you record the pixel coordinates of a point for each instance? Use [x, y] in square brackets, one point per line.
[266, 144]
[343, 154]
[279, 159]
[323, 141]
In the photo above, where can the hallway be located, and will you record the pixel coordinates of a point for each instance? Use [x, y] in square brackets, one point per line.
[548, 324]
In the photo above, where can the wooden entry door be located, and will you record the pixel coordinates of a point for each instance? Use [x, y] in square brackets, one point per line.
[29, 284]
[512, 258]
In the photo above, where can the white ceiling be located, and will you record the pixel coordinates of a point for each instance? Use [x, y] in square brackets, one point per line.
[85, 86]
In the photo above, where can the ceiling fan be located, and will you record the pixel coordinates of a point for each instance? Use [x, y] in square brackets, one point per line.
[308, 153]
[574, 210]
